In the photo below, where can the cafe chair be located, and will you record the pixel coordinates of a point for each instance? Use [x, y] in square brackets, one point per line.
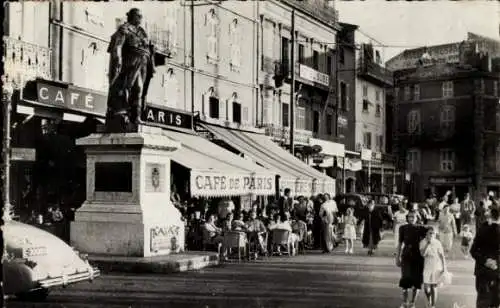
[281, 238]
[235, 239]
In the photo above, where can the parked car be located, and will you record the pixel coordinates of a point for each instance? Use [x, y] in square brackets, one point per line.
[36, 261]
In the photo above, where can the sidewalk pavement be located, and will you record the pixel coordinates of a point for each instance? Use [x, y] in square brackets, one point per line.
[174, 263]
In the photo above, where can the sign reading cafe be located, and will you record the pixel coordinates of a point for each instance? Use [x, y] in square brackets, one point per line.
[71, 97]
[218, 184]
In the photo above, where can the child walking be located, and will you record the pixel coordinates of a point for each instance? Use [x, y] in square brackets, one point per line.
[434, 265]
[349, 230]
[467, 237]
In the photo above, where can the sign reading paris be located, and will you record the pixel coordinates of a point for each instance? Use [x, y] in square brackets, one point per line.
[167, 117]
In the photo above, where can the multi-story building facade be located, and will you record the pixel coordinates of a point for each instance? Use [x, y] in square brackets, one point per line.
[372, 82]
[315, 111]
[66, 46]
[446, 121]
[209, 60]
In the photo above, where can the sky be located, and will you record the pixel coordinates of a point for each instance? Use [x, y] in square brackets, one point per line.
[401, 24]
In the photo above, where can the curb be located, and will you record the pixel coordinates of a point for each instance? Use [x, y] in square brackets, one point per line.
[189, 263]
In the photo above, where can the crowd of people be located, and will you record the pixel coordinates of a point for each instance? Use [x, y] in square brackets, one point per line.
[311, 222]
[424, 247]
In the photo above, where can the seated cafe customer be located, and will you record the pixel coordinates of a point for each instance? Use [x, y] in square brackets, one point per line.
[256, 228]
[239, 224]
[212, 234]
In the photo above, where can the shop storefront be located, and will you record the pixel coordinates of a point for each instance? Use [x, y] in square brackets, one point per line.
[460, 185]
[294, 174]
[49, 169]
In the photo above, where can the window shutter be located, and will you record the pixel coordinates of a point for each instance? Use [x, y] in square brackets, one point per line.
[222, 110]
[347, 97]
[203, 103]
[244, 117]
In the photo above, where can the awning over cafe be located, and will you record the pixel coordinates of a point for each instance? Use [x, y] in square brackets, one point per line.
[294, 174]
[217, 172]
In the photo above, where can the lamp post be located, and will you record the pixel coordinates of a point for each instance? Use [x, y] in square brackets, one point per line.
[7, 92]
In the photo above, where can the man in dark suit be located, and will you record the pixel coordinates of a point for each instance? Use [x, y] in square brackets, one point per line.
[485, 251]
[286, 202]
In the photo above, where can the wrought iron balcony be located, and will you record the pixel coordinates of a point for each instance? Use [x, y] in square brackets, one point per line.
[317, 8]
[162, 38]
[25, 61]
[375, 72]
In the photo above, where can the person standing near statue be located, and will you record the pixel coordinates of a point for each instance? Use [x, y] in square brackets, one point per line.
[131, 67]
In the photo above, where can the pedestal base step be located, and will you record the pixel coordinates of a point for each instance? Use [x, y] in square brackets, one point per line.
[173, 263]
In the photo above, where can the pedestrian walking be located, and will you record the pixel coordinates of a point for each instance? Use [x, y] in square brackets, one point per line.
[410, 260]
[466, 240]
[485, 252]
[447, 229]
[481, 214]
[328, 212]
[350, 223]
[372, 220]
[434, 265]
[468, 208]
[399, 218]
[456, 211]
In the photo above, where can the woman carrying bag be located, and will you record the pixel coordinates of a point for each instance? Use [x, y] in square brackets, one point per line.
[435, 272]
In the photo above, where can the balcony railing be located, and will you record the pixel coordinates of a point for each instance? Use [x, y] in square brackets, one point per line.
[282, 134]
[163, 39]
[376, 72]
[25, 61]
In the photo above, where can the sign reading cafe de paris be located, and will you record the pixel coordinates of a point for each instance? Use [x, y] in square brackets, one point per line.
[204, 183]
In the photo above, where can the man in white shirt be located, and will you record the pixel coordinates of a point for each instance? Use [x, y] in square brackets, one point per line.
[329, 205]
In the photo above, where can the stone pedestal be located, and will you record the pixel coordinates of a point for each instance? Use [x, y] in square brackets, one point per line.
[128, 210]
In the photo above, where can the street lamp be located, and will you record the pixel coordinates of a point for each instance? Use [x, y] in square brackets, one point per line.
[7, 92]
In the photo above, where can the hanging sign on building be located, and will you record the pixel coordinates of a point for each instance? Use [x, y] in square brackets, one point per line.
[167, 117]
[218, 184]
[23, 154]
[71, 97]
[313, 75]
[450, 180]
[366, 154]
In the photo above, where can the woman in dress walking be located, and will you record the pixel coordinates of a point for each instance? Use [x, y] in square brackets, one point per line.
[434, 265]
[350, 223]
[399, 218]
[410, 260]
[447, 229]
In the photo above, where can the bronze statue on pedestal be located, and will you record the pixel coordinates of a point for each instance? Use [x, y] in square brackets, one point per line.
[131, 67]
